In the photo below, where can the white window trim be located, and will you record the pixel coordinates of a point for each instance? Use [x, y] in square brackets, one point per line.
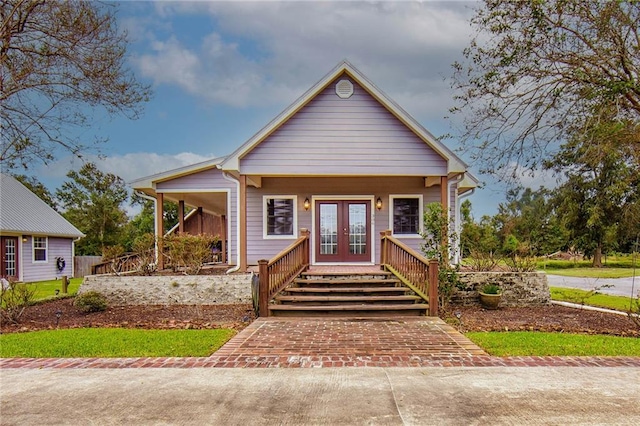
[294, 235]
[392, 197]
[33, 249]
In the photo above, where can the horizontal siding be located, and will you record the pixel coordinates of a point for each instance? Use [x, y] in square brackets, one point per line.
[204, 180]
[57, 247]
[260, 248]
[333, 136]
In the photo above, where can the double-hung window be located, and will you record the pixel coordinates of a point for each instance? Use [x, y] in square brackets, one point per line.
[280, 219]
[39, 249]
[406, 217]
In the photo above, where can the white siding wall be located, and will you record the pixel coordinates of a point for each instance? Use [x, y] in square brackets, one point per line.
[304, 187]
[334, 136]
[41, 271]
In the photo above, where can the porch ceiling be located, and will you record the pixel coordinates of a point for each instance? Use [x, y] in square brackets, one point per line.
[211, 202]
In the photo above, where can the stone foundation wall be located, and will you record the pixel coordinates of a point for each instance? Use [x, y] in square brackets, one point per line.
[518, 288]
[166, 290]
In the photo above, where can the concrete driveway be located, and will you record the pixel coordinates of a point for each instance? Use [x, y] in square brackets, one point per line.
[333, 396]
[616, 286]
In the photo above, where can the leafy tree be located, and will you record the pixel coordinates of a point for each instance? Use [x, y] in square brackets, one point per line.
[39, 189]
[92, 201]
[60, 60]
[543, 72]
[602, 191]
[531, 216]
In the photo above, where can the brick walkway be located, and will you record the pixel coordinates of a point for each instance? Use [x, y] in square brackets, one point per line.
[295, 343]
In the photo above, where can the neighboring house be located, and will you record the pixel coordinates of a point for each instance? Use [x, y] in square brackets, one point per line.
[37, 242]
[343, 161]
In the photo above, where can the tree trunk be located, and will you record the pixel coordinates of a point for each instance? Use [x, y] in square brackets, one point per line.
[597, 257]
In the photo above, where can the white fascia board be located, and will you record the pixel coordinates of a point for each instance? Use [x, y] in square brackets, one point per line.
[148, 182]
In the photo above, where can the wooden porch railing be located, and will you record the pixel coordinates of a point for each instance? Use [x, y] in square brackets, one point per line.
[414, 270]
[279, 272]
[126, 263]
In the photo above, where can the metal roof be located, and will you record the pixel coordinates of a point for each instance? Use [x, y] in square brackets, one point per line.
[23, 212]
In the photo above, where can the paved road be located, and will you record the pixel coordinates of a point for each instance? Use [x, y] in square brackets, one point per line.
[619, 286]
[332, 396]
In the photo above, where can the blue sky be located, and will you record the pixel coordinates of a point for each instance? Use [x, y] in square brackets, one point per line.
[220, 71]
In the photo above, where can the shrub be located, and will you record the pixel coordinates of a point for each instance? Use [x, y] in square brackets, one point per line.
[189, 252]
[14, 299]
[482, 261]
[91, 301]
[437, 235]
[113, 254]
[144, 248]
[490, 289]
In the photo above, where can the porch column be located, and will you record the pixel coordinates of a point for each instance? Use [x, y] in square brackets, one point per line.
[181, 217]
[242, 210]
[444, 192]
[200, 219]
[159, 229]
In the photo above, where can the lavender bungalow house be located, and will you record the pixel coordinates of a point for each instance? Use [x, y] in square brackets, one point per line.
[37, 243]
[344, 162]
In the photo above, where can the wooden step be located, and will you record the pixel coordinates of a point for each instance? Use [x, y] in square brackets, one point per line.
[354, 310]
[345, 274]
[365, 299]
[326, 282]
[345, 290]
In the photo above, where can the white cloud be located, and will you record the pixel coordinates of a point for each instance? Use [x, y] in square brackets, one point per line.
[268, 53]
[128, 166]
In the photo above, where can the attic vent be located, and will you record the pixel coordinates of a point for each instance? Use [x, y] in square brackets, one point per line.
[344, 89]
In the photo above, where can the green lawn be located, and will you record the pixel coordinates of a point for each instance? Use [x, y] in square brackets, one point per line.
[112, 343]
[620, 266]
[594, 272]
[523, 343]
[583, 297]
[47, 289]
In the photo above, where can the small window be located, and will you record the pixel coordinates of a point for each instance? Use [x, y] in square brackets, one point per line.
[407, 215]
[39, 249]
[280, 216]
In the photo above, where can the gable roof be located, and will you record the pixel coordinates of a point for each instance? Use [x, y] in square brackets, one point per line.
[455, 164]
[150, 181]
[23, 212]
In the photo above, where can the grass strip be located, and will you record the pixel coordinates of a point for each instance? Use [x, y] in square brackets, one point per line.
[47, 289]
[593, 272]
[525, 343]
[113, 343]
[583, 297]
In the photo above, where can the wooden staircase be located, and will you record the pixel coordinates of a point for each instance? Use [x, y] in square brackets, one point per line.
[347, 294]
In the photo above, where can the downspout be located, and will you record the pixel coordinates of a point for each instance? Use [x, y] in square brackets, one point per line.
[155, 218]
[230, 178]
[455, 216]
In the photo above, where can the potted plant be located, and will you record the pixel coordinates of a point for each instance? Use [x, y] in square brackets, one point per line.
[490, 295]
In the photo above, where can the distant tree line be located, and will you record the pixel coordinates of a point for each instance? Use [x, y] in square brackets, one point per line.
[541, 222]
[94, 202]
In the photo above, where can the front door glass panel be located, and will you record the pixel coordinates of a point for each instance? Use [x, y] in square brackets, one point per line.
[328, 229]
[357, 228]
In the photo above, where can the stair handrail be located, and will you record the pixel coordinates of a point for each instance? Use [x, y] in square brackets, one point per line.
[281, 270]
[414, 270]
